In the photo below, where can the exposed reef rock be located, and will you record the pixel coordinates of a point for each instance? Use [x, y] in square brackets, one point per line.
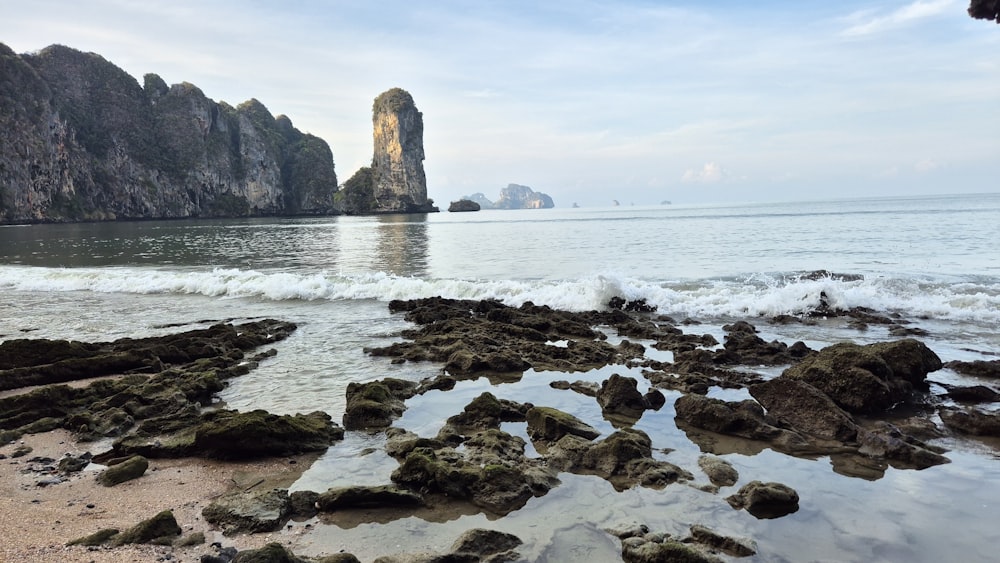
[131, 468]
[488, 336]
[153, 405]
[249, 511]
[395, 182]
[473, 546]
[766, 500]
[868, 379]
[83, 140]
[639, 545]
[514, 196]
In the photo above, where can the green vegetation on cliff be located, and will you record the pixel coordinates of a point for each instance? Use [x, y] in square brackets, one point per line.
[83, 140]
[393, 100]
[358, 195]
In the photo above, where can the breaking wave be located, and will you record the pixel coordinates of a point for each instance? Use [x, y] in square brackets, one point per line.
[973, 299]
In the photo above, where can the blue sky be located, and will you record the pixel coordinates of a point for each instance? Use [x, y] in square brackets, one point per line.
[638, 101]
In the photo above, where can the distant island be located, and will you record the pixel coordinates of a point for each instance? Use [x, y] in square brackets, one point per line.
[514, 196]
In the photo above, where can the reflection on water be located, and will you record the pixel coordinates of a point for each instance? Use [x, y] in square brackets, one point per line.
[402, 245]
[392, 244]
[228, 243]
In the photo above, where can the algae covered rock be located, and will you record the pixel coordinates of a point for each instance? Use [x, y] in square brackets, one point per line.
[720, 472]
[377, 403]
[97, 538]
[132, 468]
[730, 546]
[766, 500]
[345, 498]
[236, 435]
[661, 549]
[249, 511]
[270, 553]
[971, 421]
[743, 418]
[620, 395]
[804, 408]
[549, 425]
[161, 528]
[486, 411]
[473, 546]
[483, 543]
[870, 378]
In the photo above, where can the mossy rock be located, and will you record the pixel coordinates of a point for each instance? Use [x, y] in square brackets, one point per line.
[27, 352]
[612, 455]
[132, 468]
[765, 500]
[548, 424]
[362, 413]
[97, 538]
[422, 469]
[869, 378]
[179, 444]
[637, 550]
[237, 435]
[377, 403]
[270, 553]
[345, 498]
[158, 529]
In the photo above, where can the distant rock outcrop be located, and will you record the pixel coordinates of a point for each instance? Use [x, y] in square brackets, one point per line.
[464, 205]
[480, 198]
[514, 196]
[83, 140]
[395, 182]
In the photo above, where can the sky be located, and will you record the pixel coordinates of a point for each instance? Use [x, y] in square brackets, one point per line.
[635, 100]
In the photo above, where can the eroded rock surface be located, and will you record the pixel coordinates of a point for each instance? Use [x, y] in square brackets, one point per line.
[766, 500]
[869, 378]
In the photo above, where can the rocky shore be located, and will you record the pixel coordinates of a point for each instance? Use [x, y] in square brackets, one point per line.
[121, 451]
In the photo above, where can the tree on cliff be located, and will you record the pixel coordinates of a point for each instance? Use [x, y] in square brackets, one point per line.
[985, 9]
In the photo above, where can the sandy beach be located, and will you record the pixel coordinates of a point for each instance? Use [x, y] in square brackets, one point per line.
[37, 521]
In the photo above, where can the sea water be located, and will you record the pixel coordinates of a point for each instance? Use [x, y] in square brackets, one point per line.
[931, 260]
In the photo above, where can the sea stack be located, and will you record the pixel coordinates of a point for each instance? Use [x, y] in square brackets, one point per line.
[395, 183]
[398, 162]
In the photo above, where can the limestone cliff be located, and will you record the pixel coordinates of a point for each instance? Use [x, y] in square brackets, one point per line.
[395, 182]
[82, 140]
[514, 196]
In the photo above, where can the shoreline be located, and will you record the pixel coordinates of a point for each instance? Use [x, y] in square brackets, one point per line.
[473, 460]
[38, 521]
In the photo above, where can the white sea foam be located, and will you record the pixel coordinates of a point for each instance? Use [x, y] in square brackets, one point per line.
[757, 295]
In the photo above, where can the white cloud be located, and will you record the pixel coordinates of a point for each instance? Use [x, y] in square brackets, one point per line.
[564, 98]
[890, 172]
[710, 173]
[868, 23]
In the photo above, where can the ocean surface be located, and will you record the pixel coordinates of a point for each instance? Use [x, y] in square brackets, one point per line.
[932, 260]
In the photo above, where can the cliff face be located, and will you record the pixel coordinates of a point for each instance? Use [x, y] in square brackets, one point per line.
[82, 140]
[395, 182]
[514, 196]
